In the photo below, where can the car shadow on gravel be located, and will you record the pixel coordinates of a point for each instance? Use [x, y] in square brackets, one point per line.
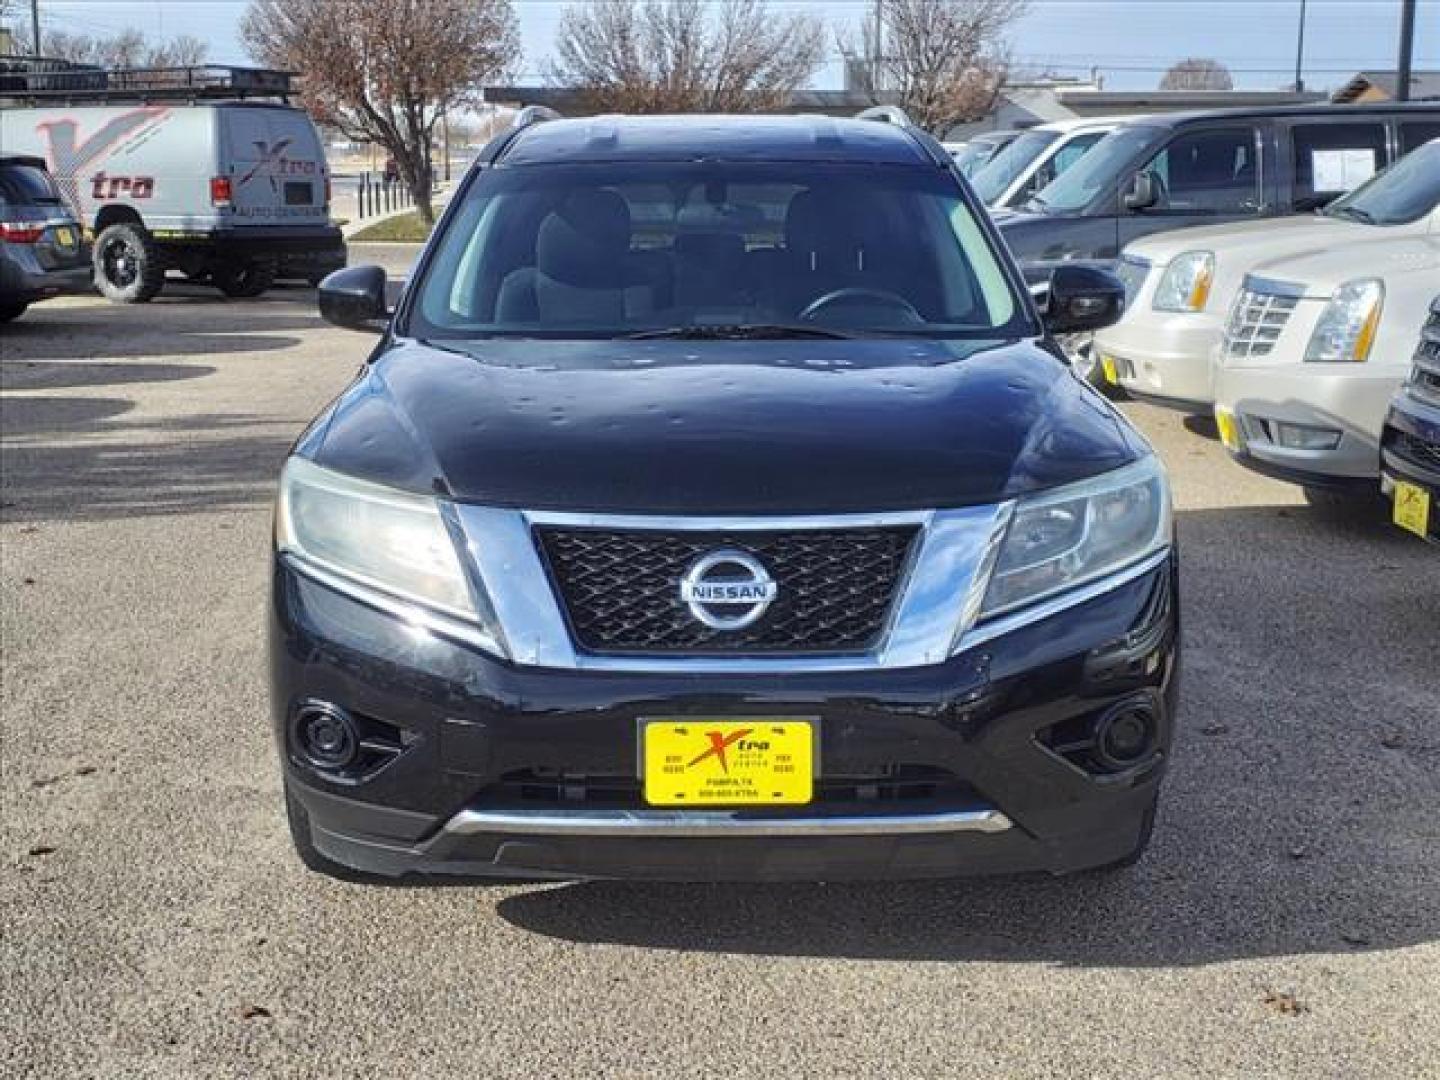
[1298, 817]
[201, 463]
[68, 374]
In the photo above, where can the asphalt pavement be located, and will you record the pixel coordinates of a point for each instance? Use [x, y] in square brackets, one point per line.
[156, 924]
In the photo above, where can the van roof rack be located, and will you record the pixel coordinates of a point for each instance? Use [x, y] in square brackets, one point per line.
[50, 80]
[533, 114]
[887, 114]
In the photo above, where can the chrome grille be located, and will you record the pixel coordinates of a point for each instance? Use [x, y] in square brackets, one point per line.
[1425, 377]
[1257, 320]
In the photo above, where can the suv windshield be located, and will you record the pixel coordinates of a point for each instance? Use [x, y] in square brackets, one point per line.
[1405, 192]
[1097, 172]
[714, 249]
[1001, 170]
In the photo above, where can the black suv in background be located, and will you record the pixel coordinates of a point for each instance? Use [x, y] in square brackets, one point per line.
[1170, 171]
[715, 505]
[42, 251]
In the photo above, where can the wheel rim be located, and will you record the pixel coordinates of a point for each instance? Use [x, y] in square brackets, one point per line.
[119, 262]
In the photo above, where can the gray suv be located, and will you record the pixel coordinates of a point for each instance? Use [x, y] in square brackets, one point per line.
[42, 252]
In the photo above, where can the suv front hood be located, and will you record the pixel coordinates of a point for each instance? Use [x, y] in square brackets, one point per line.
[752, 427]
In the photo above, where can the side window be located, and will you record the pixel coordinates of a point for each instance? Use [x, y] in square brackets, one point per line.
[1416, 133]
[1208, 172]
[1331, 159]
[1063, 158]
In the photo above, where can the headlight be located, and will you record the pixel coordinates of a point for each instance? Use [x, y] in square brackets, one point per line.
[1185, 285]
[1080, 532]
[1346, 331]
[385, 540]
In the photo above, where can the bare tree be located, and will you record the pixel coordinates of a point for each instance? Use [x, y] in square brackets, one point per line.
[1198, 73]
[685, 55]
[387, 72]
[127, 48]
[943, 61]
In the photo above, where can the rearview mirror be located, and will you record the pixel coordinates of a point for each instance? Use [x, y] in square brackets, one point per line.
[1083, 298]
[355, 299]
[1143, 193]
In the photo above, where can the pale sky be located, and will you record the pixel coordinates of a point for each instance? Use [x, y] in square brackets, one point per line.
[1132, 41]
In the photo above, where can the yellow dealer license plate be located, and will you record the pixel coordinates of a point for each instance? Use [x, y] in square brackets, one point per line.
[65, 236]
[728, 762]
[1111, 369]
[1412, 508]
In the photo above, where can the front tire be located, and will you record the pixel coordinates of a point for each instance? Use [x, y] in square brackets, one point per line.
[129, 265]
[244, 280]
[11, 312]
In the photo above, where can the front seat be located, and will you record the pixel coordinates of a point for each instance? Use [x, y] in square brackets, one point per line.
[583, 273]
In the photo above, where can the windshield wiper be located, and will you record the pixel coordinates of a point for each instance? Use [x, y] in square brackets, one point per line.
[735, 332]
[1353, 212]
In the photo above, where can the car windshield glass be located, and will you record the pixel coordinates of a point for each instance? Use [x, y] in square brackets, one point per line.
[1405, 192]
[1098, 171]
[1002, 169]
[26, 185]
[973, 156]
[714, 249]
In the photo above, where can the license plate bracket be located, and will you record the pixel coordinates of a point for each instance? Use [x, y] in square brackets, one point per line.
[714, 762]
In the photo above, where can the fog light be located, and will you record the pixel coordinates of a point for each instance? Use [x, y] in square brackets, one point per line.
[1304, 437]
[326, 737]
[1125, 735]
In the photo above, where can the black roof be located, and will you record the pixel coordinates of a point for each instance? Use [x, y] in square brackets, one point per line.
[1174, 119]
[729, 138]
[22, 159]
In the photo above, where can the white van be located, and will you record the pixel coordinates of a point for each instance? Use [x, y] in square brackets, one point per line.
[208, 171]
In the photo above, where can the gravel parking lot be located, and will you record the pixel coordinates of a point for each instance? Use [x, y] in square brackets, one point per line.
[1286, 922]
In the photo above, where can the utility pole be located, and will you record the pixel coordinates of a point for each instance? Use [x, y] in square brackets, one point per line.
[35, 24]
[1300, 54]
[1407, 50]
[878, 50]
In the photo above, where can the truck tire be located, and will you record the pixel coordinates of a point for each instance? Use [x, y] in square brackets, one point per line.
[242, 280]
[11, 312]
[129, 266]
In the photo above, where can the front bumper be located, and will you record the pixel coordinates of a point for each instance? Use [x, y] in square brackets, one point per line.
[1347, 401]
[1408, 447]
[28, 282]
[497, 769]
[1164, 358]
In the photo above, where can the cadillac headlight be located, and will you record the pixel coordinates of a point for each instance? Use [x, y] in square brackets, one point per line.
[1185, 285]
[1075, 534]
[386, 541]
[1346, 331]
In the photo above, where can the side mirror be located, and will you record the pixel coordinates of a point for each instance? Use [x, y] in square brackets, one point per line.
[1143, 193]
[1083, 298]
[355, 299]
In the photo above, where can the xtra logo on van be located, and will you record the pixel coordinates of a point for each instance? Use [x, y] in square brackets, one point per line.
[273, 162]
[70, 160]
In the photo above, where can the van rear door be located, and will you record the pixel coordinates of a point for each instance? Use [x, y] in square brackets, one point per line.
[276, 167]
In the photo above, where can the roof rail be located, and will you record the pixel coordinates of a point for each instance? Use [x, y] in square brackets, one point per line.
[887, 114]
[48, 79]
[533, 114]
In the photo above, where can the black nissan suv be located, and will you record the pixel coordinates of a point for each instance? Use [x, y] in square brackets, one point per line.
[716, 505]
